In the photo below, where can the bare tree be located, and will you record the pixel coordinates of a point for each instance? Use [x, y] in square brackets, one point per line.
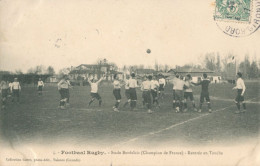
[50, 70]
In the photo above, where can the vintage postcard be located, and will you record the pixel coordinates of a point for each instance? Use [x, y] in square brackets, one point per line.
[129, 82]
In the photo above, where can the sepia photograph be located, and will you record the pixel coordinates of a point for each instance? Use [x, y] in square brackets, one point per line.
[129, 83]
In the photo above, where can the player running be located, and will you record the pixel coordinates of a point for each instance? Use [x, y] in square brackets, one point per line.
[116, 92]
[154, 90]
[178, 86]
[16, 89]
[188, 93]
[94, 91]
[146, 88]
[4, 90]
[40, 86]
[204, 91]
[162, 84]
[63, 87]
[132, 83]
[241, 88]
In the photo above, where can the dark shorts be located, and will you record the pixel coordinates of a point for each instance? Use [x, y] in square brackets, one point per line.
[173, 94]
[178, 95]
[117, 94]
[188, 95]
[154, 94]
[63, 93]
[239, 98]
[132, 93]
[161, 87]
[95, 95]
[16, 93]
[39, 88]
[4, 93]
[204, 95]
[127, 94]
[67, 93]
[147, 97]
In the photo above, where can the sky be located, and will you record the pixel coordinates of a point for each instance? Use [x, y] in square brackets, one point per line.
[64, 33]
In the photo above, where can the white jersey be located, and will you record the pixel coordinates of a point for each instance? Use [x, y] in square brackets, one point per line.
[154, 84]
[63, 84]
[240, 85]
[188, 85]
[126, 84]
[10, 85]
[146, 85]
[94, 87]
[16, 86]
[162, 81]
[3, 85]
[179, 84]
[40, 83]
[132, 83]
[116, 84]
[174, 82]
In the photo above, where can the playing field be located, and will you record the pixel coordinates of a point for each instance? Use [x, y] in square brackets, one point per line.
[38, 119]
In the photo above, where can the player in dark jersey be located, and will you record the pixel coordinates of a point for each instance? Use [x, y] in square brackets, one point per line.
[204, 91]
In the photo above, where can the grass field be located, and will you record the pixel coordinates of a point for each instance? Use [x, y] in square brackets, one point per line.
[38, 119]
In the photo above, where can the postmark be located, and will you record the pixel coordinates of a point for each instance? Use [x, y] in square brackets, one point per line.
[237, 18]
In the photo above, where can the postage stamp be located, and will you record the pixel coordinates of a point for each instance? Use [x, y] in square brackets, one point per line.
[237, 18]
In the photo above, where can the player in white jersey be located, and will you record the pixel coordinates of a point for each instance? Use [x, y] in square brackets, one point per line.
[94, 91]
[241, 88]
[63, 87]
[4, 90]
[127, 94]
[178, 86]
[162, 84]
[40, 86]
[146, 88]
[132, 83]
[188, 93]
[173, 92]
[154, 90]
[116, 92]
[15, 90]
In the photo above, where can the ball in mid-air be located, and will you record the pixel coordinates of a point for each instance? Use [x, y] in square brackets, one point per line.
[148, 51]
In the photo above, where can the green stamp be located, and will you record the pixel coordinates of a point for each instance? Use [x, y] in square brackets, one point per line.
[233, 10]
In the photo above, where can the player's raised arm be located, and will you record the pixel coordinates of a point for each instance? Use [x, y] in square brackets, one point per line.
[103, 77]
[88, 80]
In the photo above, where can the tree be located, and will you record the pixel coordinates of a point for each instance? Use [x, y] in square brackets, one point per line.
[244, 67]
[18, 71]
[253, 70]
[50, 70]
[218, 64]
[210, 61]
[40, 69]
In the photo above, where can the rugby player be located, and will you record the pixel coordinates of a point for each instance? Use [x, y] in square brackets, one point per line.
[204, 91]
[241, 88]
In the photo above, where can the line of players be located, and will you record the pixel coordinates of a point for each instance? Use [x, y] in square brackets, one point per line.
[151, 89]
[13, 89]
